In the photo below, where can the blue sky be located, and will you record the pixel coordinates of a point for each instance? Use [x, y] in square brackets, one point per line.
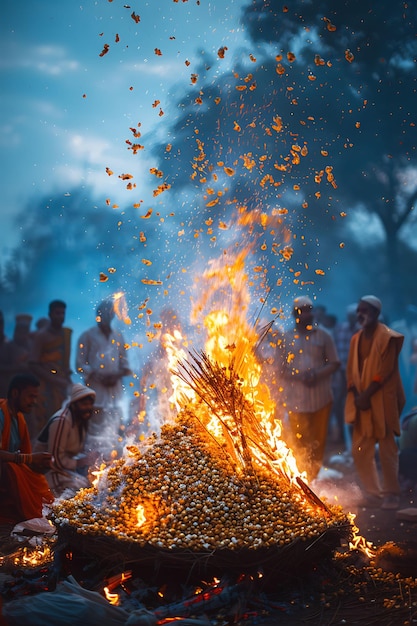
[66, 111]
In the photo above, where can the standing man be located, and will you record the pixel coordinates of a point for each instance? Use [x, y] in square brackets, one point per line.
[374, 403]
[5, 359]
[49, 360]
[407, 326]
[309, 359]
[23, 488]
[21, 344]
[342, 335]
[102, 361]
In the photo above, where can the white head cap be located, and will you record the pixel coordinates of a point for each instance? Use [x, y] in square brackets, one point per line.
[373, 301]
[78, 392]
[302, 301]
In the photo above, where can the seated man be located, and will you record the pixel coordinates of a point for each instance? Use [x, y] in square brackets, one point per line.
[23, 488]
[64, 438]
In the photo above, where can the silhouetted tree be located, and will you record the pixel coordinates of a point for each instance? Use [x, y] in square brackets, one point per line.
[313, 126]
[367, 82]
[316, 119]
[80, 249]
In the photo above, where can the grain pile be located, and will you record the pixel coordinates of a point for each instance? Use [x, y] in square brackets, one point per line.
[182, 492]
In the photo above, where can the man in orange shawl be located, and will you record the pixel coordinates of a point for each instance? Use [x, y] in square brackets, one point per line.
[374, 403]
[23, 488]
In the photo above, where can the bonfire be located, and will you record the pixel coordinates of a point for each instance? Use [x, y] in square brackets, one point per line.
[219, 482]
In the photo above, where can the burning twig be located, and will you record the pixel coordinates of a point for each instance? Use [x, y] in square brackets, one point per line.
[214, 598]
[311, 495]
[220, 389]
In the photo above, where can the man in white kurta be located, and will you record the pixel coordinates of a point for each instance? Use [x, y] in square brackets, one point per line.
[102, 361]
[308, 361]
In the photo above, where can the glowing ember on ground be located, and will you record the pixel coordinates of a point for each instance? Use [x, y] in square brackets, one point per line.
[113, 598]
[358, 542]
[27, 556]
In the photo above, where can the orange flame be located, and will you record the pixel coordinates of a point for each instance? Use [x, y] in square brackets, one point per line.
[175, 352]
[231, 344]
[358, 542]
[98, 474]
[120, 307]
[29, 557]
[140, 512]
[147, 510]
[113, 598]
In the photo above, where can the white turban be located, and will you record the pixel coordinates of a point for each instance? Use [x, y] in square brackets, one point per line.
[302, 301]
[78, 392]
[373, 301]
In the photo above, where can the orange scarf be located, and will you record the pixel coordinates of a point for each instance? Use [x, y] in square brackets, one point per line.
[25, 445]
[22, 491]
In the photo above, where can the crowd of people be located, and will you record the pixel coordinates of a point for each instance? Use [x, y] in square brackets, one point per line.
[354, 381]
[347, 377]
[52, 428]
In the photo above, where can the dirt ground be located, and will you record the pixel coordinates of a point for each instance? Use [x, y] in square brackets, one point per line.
[353, 588]
[375, 524]
[350, 588]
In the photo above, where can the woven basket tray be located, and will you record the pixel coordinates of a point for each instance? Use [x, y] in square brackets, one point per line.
[156, 564]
